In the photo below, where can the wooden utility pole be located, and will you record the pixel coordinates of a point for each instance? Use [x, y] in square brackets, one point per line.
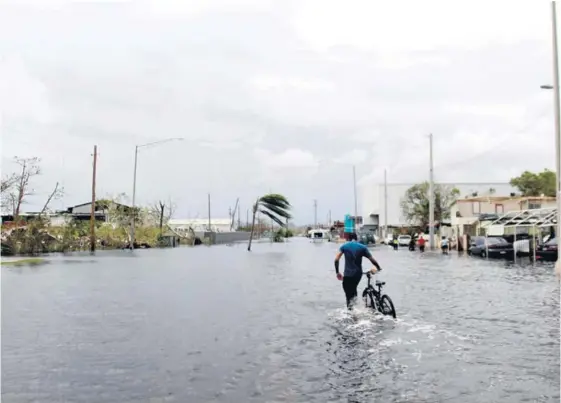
[92, 216]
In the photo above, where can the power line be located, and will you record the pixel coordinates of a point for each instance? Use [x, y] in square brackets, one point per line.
[490, 150]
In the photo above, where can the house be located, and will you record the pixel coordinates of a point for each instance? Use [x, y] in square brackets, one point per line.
[185, 226]
[83, 211]
[468, 213]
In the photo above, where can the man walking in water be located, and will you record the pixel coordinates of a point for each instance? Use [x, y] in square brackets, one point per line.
[354, 252]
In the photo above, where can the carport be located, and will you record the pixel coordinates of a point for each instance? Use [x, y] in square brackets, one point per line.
[535, 219]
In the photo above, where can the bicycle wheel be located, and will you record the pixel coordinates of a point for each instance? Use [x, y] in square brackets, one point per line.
[386, 306]
[372, 300]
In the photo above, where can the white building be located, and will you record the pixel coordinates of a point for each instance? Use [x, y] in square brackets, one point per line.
[371, 199]
[184, 226]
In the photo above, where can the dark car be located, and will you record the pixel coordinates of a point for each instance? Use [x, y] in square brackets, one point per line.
[548, 251]
[493, 247]
[366, 238]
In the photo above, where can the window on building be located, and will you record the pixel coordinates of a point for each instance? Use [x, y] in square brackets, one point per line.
[499, 209]
[534, 205]
[476, 207]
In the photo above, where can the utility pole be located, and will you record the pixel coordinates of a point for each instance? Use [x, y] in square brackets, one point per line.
[385, 203]
[230, 217]
[329, 219]
[356, 205]
[133, 218]
[92, 216]
[315, 213]
[431, 197]
[209, 223]
[557, 115]
[239, 217]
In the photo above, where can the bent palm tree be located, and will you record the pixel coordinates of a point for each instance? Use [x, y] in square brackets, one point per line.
[274, 206]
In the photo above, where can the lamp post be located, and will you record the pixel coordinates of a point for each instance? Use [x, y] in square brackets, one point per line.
[134, 180]
[555, 88]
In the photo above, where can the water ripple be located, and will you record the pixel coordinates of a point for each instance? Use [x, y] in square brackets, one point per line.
[223, 325]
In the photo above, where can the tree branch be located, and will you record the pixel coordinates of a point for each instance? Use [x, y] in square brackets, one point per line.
[55, 194]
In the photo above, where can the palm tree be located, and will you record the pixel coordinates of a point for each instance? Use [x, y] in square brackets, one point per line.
[274, 206]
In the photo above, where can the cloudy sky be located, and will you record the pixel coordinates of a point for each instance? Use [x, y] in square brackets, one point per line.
[279, 96]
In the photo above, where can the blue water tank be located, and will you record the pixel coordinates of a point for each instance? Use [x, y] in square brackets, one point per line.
[349, 223]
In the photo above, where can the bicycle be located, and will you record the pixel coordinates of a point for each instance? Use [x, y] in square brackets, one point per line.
[378, 301]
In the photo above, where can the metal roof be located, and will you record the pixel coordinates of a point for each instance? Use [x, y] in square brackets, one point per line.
[496, 199]
[545, 217]
[199, 221]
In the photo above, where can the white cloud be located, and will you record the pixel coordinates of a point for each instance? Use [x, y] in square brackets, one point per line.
[303, 80]
[512, 112]
[419, 25]
[271, 82]
[188, 8]
[290, 158]
[356, 156]
[22, 96]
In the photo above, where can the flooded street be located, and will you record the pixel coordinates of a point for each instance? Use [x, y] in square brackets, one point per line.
[220, 324]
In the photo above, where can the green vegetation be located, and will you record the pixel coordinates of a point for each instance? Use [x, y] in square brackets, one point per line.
[274, 206]
[24, 262]
[415, 203]
[535, 184]
[37, 237]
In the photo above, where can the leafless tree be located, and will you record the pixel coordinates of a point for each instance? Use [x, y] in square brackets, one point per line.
[17, 187]
[162, 212]
[7, 183]
[57, 193]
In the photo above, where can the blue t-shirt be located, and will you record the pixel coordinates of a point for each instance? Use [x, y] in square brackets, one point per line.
[354, 252]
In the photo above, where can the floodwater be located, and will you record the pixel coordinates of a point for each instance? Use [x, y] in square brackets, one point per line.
[220, 324]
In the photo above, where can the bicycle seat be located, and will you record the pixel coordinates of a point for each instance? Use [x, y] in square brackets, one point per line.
[378, 282]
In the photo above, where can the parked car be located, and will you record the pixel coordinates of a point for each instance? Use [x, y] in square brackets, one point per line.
[548, 251]
[493, 247]
[367, 238]
[388, 239]
[521, 247]
[403, 240]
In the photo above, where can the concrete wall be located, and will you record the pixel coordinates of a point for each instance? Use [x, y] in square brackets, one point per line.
[224, 237]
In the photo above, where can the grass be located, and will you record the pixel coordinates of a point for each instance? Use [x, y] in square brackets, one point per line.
[24, 262]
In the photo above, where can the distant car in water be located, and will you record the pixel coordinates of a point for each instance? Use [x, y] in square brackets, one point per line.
[492, 247]
[388, 239]
[367, 238]
[548, 251]
[403, 240]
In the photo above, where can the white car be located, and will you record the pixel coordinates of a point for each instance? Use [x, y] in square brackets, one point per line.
[403, 240]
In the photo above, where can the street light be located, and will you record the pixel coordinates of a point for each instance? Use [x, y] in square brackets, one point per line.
[134, 180]
[555, 88]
